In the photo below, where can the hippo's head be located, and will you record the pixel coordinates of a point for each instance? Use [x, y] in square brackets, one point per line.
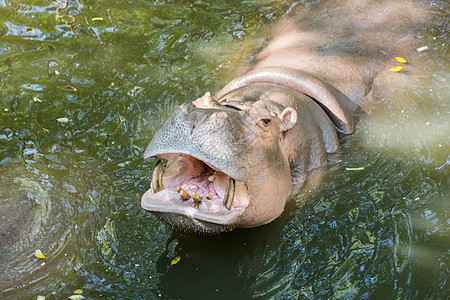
[233, 162]
[225, 165]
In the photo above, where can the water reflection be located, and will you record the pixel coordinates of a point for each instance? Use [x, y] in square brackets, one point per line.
[72, 189]
[218, 266]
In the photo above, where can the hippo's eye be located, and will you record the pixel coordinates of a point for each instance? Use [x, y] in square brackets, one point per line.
[264, 124]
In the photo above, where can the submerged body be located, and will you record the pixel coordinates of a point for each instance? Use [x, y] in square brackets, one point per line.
[234, 158]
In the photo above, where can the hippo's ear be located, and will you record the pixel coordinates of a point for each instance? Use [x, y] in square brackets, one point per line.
[288, 118]
[206, 101]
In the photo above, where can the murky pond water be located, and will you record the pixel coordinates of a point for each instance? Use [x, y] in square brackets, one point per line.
[84, 85]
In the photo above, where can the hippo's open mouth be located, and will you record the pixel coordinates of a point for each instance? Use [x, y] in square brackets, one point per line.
[195, 190]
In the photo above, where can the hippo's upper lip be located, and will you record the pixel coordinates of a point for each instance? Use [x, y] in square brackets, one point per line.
[210, 135]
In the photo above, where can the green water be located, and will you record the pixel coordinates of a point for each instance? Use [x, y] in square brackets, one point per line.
[83, 86]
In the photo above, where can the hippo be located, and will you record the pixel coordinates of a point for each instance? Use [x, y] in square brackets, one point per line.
[233, 159]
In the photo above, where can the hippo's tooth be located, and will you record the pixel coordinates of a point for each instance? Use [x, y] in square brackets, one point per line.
[212, 177]
[229, 194]
[196, 197]
[157, 178]
[184, 195]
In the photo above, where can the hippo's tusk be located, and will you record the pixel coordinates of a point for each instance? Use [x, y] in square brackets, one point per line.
[157, 178]
[229, 194]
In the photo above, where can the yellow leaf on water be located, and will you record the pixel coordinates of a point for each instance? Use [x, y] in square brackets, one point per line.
[396, 69]
[62, 120]
[78, 291]
[175, 260]
[401, 60]
[39, 254]
[355, 169]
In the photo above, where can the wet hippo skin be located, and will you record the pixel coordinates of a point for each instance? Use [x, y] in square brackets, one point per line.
[233, 159]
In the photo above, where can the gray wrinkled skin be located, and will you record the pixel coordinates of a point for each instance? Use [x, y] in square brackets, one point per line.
[211, 135]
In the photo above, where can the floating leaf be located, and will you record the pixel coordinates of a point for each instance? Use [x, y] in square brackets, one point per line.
[97, 19]
[76, 297]
[62, 120]
[422, 49]
[67, 88]
[401, 60]
[39, 254]
[36, 99]
[78, 291]
[355, 169]
[134, 91]
[175, 260]
[40, 298]
[396, 69]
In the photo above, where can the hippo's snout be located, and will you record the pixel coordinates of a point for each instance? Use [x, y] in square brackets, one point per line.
[203, 186]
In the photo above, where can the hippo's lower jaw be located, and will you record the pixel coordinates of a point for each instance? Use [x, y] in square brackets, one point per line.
[193, 196]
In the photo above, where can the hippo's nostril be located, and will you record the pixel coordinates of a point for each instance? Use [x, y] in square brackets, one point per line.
[222, 115]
